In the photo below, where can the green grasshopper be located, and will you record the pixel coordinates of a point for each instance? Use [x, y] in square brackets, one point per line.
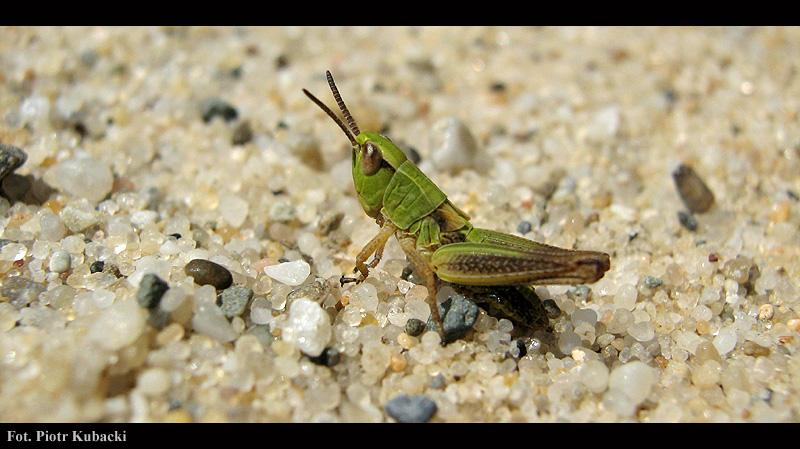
[438, 238]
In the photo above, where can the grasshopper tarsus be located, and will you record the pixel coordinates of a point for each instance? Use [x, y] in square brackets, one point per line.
[345, 280]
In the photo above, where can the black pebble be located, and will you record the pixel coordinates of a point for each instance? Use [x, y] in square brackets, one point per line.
[552, 309]
[206, 272]
[97, 266]
[11, 158]
[415, 327]
[687, 220]
[214, 107]
[151, 289]
[329, 357]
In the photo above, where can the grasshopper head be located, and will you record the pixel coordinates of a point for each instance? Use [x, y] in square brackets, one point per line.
[375, 158]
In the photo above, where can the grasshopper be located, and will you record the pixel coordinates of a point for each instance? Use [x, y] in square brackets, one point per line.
[438, 238]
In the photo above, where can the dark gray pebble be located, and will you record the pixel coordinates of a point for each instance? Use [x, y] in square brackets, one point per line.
[242, 134]
[687, 220]
[21, 291]
[552, 309]
[233, 301]
[415, 327]
[97, 266]
[11, 158]
[410, 408]
[693, 191]
[524, 227]
[652, 281]
[329, 357]
[206, 272]
[213, 107]
[151, 289]
[438, 382]
[458, 315]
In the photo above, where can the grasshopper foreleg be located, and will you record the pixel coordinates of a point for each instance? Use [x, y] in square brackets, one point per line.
[376, 246]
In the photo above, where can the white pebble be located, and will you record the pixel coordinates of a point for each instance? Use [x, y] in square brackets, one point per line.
[118, 326]
[13, 251]
[579, 316]
[642, 331]
[594, 374]
[143, 218]
[172, 299]
[153, 381]
[85, 178]
[634, 379]
[567, 341]
[452, 145]
[234, 210]
[52, 228]
[208, 319]
[605, 124]
[308, 327]
[60, 261]
[725, 341]
[103, 299]
[626, 297]
[261, 315]
[289, 273]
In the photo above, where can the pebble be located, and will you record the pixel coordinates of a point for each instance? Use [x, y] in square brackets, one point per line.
[85, 177]
[151, 289]
[118, 326]
[458, 314]
[415, 327]
[687, 220]
[11, 158]
[453, 148]
[410, 408]
[693, 191]
[97, 266]
[234, 210]
[524, 227]
[725, 340]
[208, 319]
[308, 327]
[233, 301]
[605, 124]
[289, 273]
[60, 261]
[635, 379]
[551, 308]
[77, 219]
[21, 291]
[206, 272]
[215, 107]
[329, 357]
[242, 134]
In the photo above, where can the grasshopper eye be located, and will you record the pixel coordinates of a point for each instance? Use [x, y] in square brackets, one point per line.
[371, 159]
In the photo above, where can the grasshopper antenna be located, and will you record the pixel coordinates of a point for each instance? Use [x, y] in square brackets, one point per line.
[331, 115]
[342, 106]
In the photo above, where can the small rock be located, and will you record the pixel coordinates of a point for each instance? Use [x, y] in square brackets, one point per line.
[11, 158]
[60, 261]
[233, 300]
[208, 319]
[77, 219]
[634, 379]
[206, 272]
[524, 227]
[97, 266]
[552, 309]
[85, 178]
[213, 107]
[605, 124]
[410, 408]
[415, 327]
[151, 289]
[289, 273]
[329, 357]
[242, 134]
[21, 291]
[453, 148]
[117, 326]
[458, 314]
[687, 220]
[697, 197]
[308, 327]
